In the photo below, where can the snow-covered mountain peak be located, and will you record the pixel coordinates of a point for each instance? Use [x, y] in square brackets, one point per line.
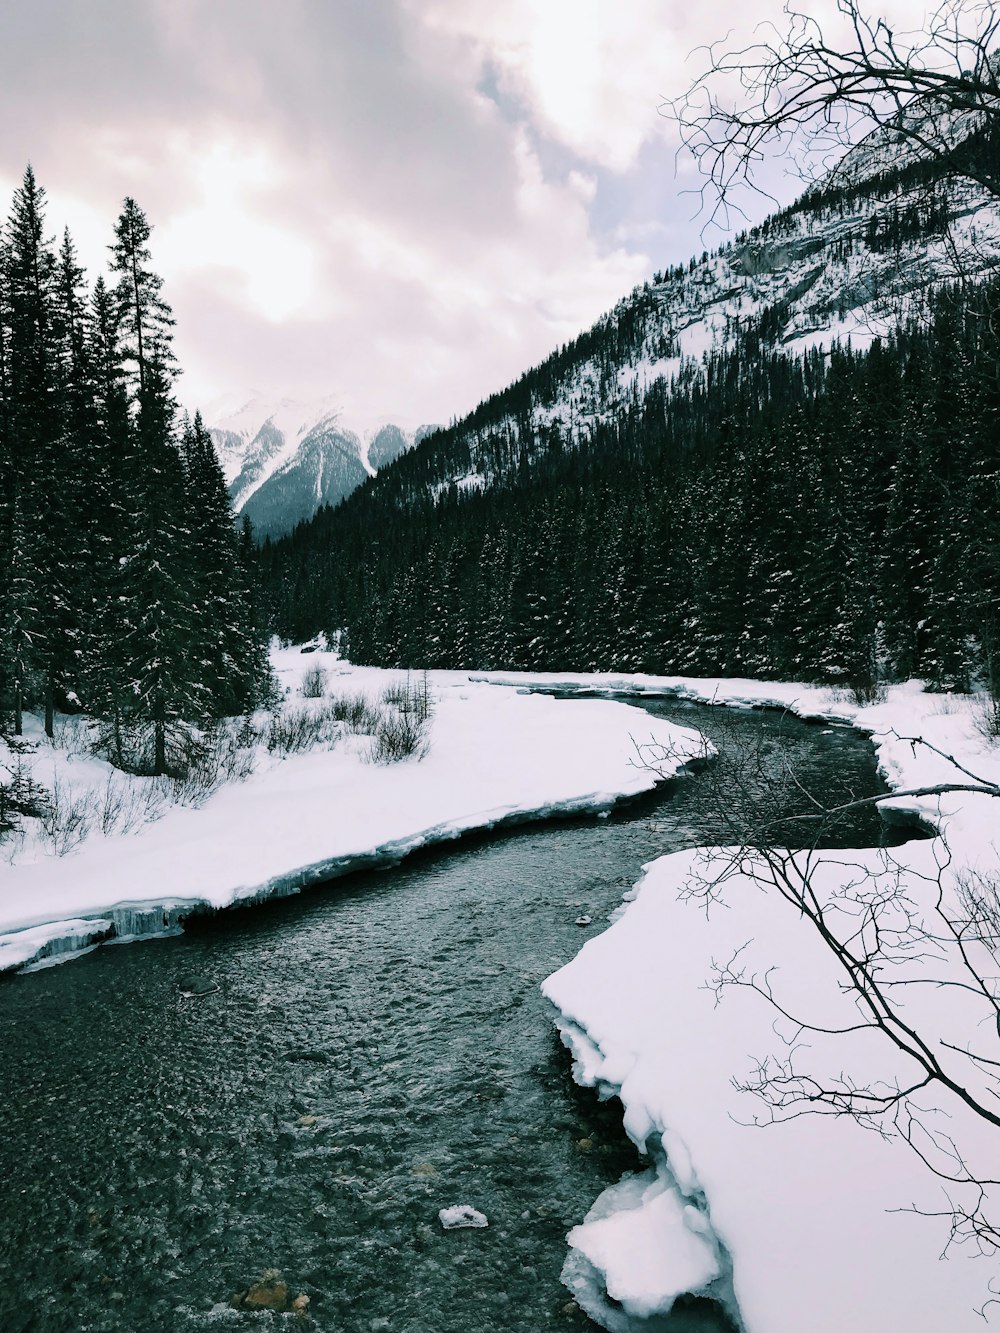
[284, 458]
[240, 423]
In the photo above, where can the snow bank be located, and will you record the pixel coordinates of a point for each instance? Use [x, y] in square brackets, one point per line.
[816, 1212]
[804, 700]
[495, 757]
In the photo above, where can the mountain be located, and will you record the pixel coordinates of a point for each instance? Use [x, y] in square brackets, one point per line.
[781, 457]
[283, 461]
[851, 260]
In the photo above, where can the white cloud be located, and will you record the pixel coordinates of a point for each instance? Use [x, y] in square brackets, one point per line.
[225, 235]
[414, 200]
[588, 73]
[592, 75]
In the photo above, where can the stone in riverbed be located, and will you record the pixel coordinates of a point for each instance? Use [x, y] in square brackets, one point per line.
[270, 1293]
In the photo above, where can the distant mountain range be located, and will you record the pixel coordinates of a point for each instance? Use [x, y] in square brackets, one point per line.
[284, 460]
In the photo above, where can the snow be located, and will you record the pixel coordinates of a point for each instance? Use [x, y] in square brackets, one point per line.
[471, 481]
[237, 421]
[816, 1212]
[288, 415]
[648, 1243]
[814, 268]
[496, 757]
[802, 1224]
[802, 699]
[460, 1216]
[51, 942]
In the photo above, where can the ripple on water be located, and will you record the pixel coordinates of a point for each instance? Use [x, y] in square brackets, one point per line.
[302, 1086]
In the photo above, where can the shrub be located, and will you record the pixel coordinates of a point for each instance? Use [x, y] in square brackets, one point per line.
[410, 697]
[399, 735]
[358, 714]
[294, 730]
[861, 693]
[73, 736]
[125, 804]
[67, 816]
[314, 683]
[986, 713]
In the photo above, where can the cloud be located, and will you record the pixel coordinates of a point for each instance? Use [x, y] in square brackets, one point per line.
[589, 75]
[224, 234]
[585, 73]
[412, 319]
[409, 202]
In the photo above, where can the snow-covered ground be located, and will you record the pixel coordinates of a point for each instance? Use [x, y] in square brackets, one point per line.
[495, 756]
[817, 1222]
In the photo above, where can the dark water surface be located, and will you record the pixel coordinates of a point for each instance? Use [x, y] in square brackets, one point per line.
[357, 1059]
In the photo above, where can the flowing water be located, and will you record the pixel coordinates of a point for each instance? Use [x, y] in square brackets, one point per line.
[302, 1086]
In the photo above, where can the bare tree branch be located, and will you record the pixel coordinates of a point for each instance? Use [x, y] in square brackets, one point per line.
[803, 94]
[895, 928]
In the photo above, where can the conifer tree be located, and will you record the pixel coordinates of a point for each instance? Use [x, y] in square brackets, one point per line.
[145, 318]
[160, 611]
[78, 481]
[228, 647]
[122, 580]
[158, 678]
[7, 493]
[35, 441]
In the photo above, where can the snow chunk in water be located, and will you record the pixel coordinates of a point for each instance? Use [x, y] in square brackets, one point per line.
[461, 1215]
[649, 1245]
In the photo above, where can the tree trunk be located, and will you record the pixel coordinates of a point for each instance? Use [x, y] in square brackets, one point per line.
[50, 710]
[159, 742]
[117, 725]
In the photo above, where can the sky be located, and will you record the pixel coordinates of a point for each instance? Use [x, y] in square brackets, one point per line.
[402, 204]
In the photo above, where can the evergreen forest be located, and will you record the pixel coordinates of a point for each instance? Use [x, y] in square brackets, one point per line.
[833, 517]
[125, 589]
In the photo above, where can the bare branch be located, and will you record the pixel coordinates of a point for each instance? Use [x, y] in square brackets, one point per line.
[801, 94]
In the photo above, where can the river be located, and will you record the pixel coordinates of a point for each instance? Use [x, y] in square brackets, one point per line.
[301, 1086]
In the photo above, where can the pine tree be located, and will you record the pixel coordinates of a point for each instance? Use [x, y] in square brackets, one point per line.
[7, 491]
[228, 643]
[36, 441]
[158, 680]
[23, 614]
[145, 318]
[122, 580]
[161, 615]
[81, 516]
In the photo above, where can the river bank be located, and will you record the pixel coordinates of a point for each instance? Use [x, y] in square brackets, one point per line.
[494, 757]
[304, 1084]
[793, 1146]
[796, 1225]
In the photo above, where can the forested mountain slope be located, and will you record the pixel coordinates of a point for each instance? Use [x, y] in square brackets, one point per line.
[774, 459]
